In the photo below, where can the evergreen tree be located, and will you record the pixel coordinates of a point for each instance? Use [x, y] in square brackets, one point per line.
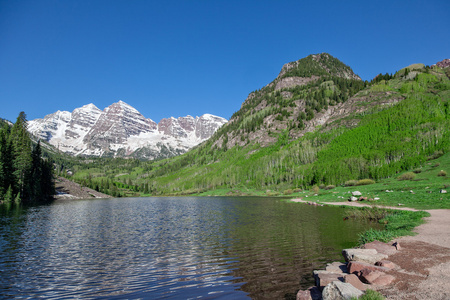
[21, 143]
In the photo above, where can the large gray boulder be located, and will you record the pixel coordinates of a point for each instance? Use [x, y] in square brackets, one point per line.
[338, 290]
[370, 256]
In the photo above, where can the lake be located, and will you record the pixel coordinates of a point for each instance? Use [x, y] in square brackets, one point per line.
[169, 248]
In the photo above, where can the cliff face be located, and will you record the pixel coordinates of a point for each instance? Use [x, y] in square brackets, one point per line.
[121, 130]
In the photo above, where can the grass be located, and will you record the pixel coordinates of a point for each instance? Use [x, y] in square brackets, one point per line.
[422, 192]
[371, 295]
[396, 223]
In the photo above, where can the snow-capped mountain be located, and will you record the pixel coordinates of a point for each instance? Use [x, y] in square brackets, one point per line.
[121, 130]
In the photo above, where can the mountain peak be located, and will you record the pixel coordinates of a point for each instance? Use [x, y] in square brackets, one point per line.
[121, 130]
[316, 65]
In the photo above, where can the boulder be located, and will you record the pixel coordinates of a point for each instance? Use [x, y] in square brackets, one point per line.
[353, 199]
[313, 293]
[336, 267]
[354, 280]
[362, 198]
[323, 278]
[337, 290]
[384, 280]
[370, 256]
[443, 191]
[369, 276]
[381, 247]
[355, 267]
[386, 264]
[356, 193]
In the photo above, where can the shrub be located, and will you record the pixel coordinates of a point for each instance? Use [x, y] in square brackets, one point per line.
[365, 182]
[442, 173]
[315, 189]
[407, 176]
[288, 192]
[330, 187]
[351, 182]
[371, 295]
[417, 171]
[321, 186]
[436, 165]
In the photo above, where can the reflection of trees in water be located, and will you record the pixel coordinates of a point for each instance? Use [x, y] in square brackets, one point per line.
[280, 246]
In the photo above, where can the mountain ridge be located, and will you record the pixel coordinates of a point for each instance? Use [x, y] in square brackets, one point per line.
[121, 130]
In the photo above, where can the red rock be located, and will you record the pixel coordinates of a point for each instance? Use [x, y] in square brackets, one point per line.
[381, 247]
[313, 293]
[369, 276]
[384, 280]
[304, 295]
[354, 280]
[324, 277]
[386, 263]
[354, 267]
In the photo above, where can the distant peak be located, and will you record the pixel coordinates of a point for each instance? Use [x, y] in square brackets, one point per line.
[90, 106]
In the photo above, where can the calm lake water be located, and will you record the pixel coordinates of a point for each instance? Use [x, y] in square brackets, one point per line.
[168, 248]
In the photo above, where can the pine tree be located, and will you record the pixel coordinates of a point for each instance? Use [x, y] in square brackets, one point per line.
[21, 143]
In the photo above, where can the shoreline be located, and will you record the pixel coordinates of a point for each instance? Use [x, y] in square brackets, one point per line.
[422, 262]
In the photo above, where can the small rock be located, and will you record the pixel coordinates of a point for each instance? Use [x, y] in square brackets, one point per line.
[443, 191]
[411, 191]
[376, 198]
[354, 280]
[337, 290]
[400, 204]
[362, 198]
[353, 199]
[369, 276]
[356, 193]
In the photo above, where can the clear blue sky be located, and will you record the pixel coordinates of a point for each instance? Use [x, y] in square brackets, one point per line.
[174, 58]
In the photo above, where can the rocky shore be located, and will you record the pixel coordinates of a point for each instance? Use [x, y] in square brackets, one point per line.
[66, 189]
[418, 269]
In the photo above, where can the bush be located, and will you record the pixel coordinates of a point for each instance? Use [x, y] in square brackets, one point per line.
[315, 189]
[407, 176]
[365, 182]
[288, 192]
[321, 186]
[417, 171]
[351, 182]
[442, 173]
[330, 187]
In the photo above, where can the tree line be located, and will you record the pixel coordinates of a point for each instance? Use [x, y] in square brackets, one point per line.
[25, 177]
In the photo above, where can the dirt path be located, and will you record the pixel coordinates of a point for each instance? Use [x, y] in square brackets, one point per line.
[424, 259]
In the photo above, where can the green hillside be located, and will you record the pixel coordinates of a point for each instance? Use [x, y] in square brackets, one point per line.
[324, 129]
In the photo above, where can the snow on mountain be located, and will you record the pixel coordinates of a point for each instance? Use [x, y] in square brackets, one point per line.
[121, 130]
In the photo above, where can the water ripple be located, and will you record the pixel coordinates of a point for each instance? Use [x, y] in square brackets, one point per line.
[167, 248]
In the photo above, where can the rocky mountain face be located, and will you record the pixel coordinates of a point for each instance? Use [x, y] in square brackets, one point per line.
[121, 130]
[306, 93]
